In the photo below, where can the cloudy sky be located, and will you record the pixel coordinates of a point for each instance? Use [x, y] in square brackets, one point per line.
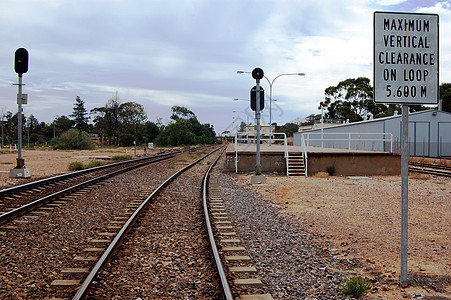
[161, 53]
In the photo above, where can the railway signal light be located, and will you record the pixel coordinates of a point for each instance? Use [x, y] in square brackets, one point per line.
[257, 73]
[254, 98]
[21, 61]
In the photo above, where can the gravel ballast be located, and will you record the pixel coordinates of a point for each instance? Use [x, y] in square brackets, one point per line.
[289, 264]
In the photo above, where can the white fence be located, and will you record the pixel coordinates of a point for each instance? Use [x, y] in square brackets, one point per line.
[349, 140]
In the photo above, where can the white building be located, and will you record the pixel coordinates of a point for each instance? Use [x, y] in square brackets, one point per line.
[429, 134]
[264, 129]
[249, 134]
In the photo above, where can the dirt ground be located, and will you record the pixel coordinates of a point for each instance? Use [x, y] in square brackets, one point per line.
[50, 162]
[356, 219]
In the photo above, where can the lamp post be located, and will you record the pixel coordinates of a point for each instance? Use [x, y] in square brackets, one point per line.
[270, 94]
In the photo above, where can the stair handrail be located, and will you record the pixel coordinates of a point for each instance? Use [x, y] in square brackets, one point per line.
[304, 153]
[285, 142]
[236, 152]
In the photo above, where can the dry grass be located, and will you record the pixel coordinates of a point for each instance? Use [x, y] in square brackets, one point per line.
[321, 175]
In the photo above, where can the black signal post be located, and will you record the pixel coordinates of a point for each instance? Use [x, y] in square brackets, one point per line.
[257, 74]
[20, 67]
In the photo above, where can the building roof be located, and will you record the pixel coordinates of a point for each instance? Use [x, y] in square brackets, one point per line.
[384, 119]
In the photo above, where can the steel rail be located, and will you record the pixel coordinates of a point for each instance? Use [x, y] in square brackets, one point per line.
[83, 291]
[214, 248]
[36, 183]
[431, 166]
[430, 172]
[430, 169]
[41, 201]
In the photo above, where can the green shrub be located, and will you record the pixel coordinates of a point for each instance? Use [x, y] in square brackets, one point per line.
[72, 139]
[75, 166]
[126, 139]
[93, 163]
[121, 157]
[356, 286]
[34, 137]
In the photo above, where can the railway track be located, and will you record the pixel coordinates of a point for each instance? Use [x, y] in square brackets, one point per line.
[430, 169]
[38, 246]
[165, 251]
[17, 200]
[139, 220]
[186, 263]
[70, 248]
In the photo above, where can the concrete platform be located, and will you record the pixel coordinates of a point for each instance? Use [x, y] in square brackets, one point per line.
[277, 148]
[341, 161]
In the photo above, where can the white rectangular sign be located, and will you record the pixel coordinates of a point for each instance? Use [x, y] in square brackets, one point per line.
[405, 62]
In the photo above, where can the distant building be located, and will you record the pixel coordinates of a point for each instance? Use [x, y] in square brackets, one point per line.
[250, 132]
[429, 134]
[264, 129]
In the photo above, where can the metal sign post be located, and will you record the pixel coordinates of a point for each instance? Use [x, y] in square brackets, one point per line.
[404, 192]
[405, 72]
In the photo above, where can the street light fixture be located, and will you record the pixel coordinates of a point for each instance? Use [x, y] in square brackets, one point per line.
[270, 94]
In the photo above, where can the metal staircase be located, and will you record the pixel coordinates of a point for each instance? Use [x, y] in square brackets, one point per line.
[296, 165]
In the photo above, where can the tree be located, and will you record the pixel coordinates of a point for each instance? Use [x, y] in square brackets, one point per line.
[208, 134]
[132, 117]
[32, 123]
[126, 139]
[11, 126]
[186, 130]
[445, 96]
[61, 124]
[310, 119]
[181, 112]
[80, 115]
[173, 134]
[106, 119]
[351, 99]
[289, 129]
[72, 139]
[151, 131]
[242, 126]
[3, 117]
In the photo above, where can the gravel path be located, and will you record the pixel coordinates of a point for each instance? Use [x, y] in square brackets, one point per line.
[289, 264]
